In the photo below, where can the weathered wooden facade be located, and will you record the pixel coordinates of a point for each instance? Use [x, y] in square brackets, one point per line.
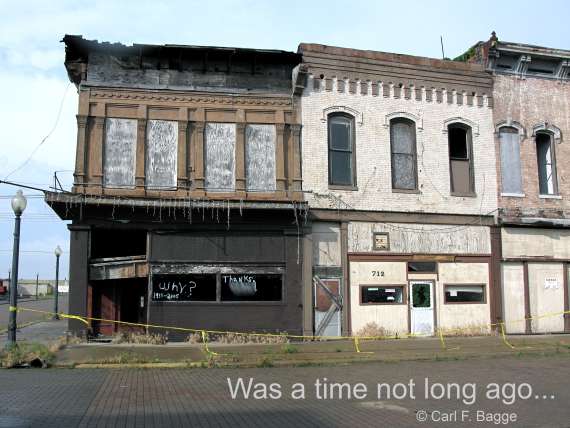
[186, 206]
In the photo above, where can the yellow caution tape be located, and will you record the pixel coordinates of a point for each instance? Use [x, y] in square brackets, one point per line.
[355, 339]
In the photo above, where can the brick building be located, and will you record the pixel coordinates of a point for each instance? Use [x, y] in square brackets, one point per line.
[531, 117]
[186, 206]
[399, 172]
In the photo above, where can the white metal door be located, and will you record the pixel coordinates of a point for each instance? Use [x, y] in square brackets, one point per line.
[421, 307]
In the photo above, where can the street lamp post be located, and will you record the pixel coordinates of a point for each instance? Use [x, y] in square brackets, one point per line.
[19, 203]
[57, 253]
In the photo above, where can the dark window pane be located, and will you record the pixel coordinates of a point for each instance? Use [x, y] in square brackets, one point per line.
[465, 294]
[252, 288]
[415, 267]
[341, 168]
[184, 288]
[403, 172]
[458, 143]
[421, 295]
[402, 135]
[546, 168]
[382, 294]
[340, 134]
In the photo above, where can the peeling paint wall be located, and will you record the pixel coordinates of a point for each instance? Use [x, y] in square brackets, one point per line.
[161, 159]
[120, 152]
[421, 238]
[512, 288]
[260, 157]
[546, 292]
[530, 102]
[220, 148]
[535, 242]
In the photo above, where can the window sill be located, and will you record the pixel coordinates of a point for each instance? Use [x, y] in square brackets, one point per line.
[339, 187]
[550, 196]
[513, 195]
[464, 195]
[412, 191]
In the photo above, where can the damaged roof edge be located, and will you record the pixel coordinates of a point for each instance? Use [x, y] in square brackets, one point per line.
[313, 48]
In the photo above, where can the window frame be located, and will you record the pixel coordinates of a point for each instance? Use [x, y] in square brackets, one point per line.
[353, 185]
[469, 142]
[425, 272]
[414, 154]
[552, 160]
[517, 131]
[482, 285]
[402, 286]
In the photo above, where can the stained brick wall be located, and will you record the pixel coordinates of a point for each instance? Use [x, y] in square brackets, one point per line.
[370, 106]
[532, 101]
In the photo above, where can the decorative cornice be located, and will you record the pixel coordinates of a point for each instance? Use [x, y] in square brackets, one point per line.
[206, 99]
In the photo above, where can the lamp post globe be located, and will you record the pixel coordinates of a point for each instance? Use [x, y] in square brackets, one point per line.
[19, 204]
[57, 253]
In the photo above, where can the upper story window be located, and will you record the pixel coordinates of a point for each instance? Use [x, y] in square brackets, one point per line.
[511, 176]
[547, 182]
[461, 160]
[219, 156]
[403, 152]
[342, 168]
[119, 154]
[260, 158]
[161, 154]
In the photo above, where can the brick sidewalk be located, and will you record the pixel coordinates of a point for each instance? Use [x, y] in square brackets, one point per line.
[200, 397]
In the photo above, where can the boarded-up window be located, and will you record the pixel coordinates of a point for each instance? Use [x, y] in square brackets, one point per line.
[161, 154]
[120, 152]
[341, 150]
[546, 164]
[403, 147]
[260, 157]
[511, 178]
[460, 160]
[220, 148]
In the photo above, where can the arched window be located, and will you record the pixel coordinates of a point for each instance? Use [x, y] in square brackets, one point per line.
[547, 183]
[403, 154]
[511, 176]
[342, 170]
[461, 160]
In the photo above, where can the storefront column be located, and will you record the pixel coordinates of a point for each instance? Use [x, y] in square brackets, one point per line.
[78, 276]
[566, 298]
[526, 291]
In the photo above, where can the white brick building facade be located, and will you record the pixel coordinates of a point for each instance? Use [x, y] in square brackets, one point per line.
[372, 144]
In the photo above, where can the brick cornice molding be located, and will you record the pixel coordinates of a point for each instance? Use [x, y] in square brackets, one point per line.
[548, 128]
[414, 118]
[358, 116]
[206, 98]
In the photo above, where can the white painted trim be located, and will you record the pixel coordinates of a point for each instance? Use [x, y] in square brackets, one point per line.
[513, 195]
[550, 196]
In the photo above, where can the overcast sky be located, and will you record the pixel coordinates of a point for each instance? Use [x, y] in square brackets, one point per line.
[33, 82]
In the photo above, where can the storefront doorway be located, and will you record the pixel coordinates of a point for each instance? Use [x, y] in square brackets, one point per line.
[422, 320]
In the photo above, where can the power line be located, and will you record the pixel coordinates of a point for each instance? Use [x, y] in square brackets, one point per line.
[46, 137]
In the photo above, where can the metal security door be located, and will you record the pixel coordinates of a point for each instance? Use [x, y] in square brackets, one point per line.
[328, 306]
[421, 307]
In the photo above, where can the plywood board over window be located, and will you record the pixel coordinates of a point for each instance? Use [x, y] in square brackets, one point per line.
[161, 159]
[119, 152]
[220, 149]
[260, 158]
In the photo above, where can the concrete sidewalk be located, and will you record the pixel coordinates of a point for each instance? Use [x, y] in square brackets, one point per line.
[312, 353]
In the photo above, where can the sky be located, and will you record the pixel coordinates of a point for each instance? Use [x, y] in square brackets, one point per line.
[36, 99]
